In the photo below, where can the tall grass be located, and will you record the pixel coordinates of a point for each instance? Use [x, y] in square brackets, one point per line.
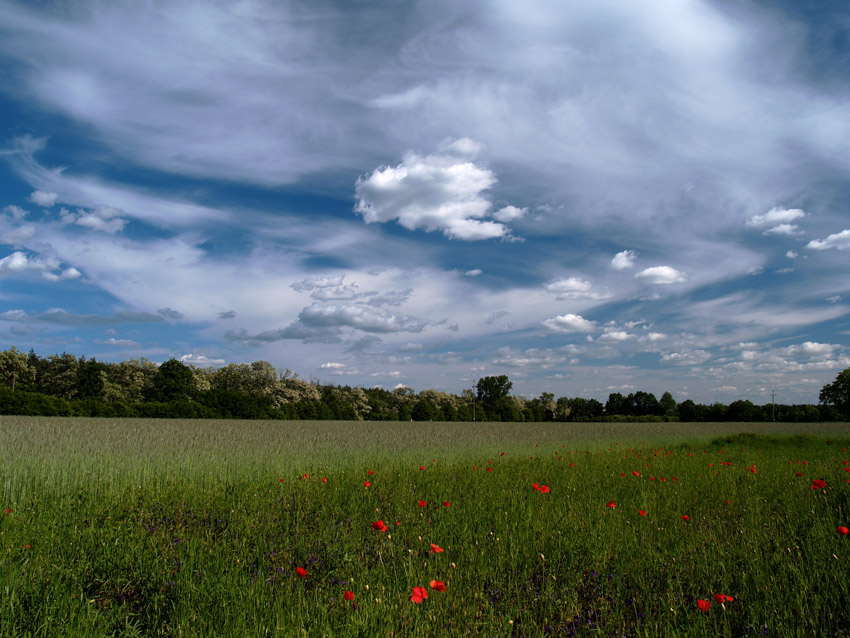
[196, 528]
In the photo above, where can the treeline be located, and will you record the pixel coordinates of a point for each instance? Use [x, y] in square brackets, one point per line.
[64, 385]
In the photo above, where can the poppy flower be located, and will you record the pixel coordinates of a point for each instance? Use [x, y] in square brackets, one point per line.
[8, 510]
[421, 467]
[544, 489]
[722, 598]
[818, 484]
[799, 474]
[367, 484]
[611, 504]
[371, 472]
[419, 594]
[324, 480]
[423, 503]
[703, 605]
[842, 530]
[535, 486]
[348, 595]
[281, 480]
[641, 512]
[438, 585]
[446, 503]
[380, 526]
[301, 572]
[636, 473]
[436, 549]
[489, 469]
[306, 476]
[685, 517]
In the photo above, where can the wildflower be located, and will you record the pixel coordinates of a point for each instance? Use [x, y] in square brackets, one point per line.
[842, 530]
[611, 504]
[8, 510]
[535, 486]
[348, 595]
[446, 503]
[722, 598]
[419, 594]
[324, 480]
[636, 473]
[489, 469]
[436, 549]
[438, 585]
[703, 605]
[799, 474]
[421, 467]
[281, 480]
[367, 484]
[685, 517]
[27, 547]
[544, 489]
[641, 512]
[423, 503]
[380, 526]
[301, 572]
[818, 484]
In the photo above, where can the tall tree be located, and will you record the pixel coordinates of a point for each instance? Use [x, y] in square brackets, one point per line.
[837, 393]
[174, 381]
[492, 393]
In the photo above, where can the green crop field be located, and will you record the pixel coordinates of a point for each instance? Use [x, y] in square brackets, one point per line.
[246, 528]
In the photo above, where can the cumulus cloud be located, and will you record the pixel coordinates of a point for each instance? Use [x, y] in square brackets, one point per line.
[42, 198]
[15, 212]
[473, 273]
[118, 343]
[200, 360]
[837, 241]
[330, 365]
[573, 288]
[569, 323]
[686, 358]
[18, 263]
[435, 192]
[623, 260]
[661, 275]
[327, 288]
[104, 219]
[783, 229]
[775, 217]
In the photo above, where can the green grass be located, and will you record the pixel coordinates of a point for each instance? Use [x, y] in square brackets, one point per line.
[195, 528]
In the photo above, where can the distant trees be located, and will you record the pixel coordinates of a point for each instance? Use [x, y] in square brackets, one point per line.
[65, 385]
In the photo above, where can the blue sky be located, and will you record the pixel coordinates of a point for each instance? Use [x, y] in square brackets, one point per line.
[589, 197]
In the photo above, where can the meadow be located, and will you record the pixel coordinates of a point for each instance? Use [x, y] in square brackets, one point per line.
[112, 527]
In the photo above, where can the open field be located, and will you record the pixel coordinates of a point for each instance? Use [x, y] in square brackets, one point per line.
[198, 528]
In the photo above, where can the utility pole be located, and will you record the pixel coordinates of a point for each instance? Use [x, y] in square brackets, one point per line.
[473, 403]
[773, 405]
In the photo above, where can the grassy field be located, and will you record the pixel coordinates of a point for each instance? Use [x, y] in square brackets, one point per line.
[199, 528]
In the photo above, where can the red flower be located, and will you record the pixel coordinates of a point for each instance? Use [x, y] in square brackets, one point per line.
[799, 474]
[685, 517]
[446, 503]
[421, 467]
[301, 572]
[722, 598]
[636, 473]
[544, 489]
[306, 476]
[423, 503]
[371, 472]
[818, 483]
[367, 484]
[438, 585]
[489, 469]
[8, 510]
[611, 504]
[281, 480]
[349, 595]
[436, 549]
[380, 526]
[419, 594]
[842, 530]
[324, 480]
[703, 605]
[535, 486]
[641, 512]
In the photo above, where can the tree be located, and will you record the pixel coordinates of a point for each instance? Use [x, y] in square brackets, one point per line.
[837, 393]
[492, 393]
[618, 404]
[667, 404]
[15, 371]
[174, 381]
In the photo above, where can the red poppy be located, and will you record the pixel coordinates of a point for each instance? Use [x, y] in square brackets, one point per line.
[446, 503]
[535, 486]
[436, 549]
[489, 469]
[301, 572]
[367, 484]
[842, 530]
[818, 484]
[685, 517]
[371, 472]
[423, 503]
[799, 474]
[27, 547]
[8, 510]
[636, 473]
[438, 585]
[419, 594]
[421, 467]
[703, 605]
[281, 480]
[349, 595]
[380, 526]
[722, 598]
[324, 480]
[641, 512]
[611, 504]
[306, 476]
[544, 489]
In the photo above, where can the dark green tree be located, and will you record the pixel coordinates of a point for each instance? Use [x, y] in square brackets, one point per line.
[667, 404]
[173, 381]
[492, 394]
[837, 393]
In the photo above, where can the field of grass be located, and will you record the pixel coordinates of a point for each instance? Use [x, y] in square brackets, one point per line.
[199, 528]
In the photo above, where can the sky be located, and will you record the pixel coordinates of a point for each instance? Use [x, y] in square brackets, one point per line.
[589, 197]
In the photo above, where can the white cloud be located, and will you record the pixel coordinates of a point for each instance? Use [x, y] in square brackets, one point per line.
[686, 358]
[473, 273]
[121, 343]
[68, 273]
[573, 288]
[616, 335]
[434, 192]
[509, 214]
[331, 366]
[838, 241]
[661, 275]
[327, 288]
[569, 323]
[623, 260]
[43, 198]
[200, 360]
[15, 212]
[783, 229]
[775, 217]
[791, 254]
[15, 263]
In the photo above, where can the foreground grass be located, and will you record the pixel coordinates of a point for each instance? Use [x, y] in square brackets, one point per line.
[196, 529]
